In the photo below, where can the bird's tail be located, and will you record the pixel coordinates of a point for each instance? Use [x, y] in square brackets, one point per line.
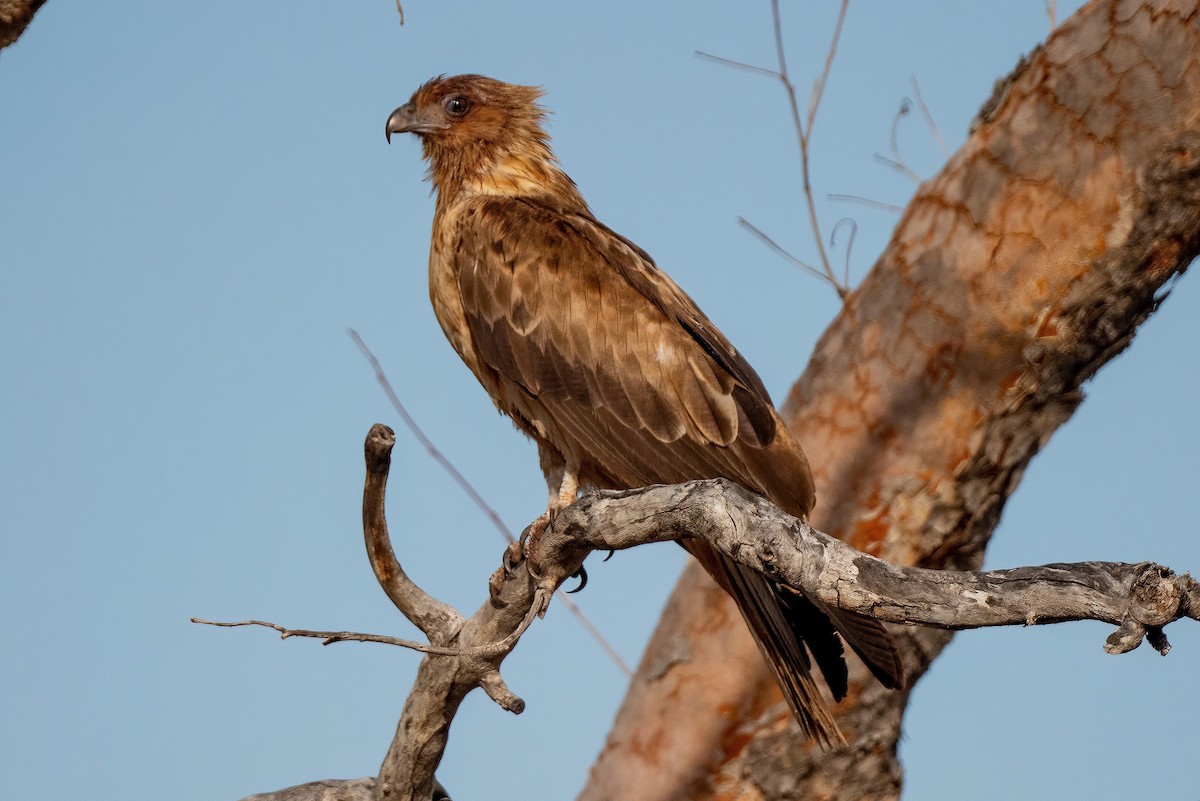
[793, 631]
[760, 604]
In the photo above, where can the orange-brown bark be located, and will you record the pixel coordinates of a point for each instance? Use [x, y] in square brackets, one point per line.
[1014, 275]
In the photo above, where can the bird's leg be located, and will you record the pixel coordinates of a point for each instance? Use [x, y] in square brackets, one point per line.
[564, 490]
[563, 484]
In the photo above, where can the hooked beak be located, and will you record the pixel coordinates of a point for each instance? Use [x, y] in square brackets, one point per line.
[407, 119]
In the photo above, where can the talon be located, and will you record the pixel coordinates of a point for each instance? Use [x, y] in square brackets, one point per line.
[514, 555]
[529, 543]
[580, 574]
[610, 555]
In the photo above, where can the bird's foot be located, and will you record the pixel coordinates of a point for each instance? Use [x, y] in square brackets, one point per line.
[514, 555]
[526, 550]
[529, 541]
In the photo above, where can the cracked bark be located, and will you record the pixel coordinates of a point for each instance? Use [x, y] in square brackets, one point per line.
[1014, 275]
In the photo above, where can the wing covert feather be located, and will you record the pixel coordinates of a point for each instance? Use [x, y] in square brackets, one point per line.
[560, 306]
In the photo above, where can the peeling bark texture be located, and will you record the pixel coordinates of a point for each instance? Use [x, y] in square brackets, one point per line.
[15, 15]
[1014, 275]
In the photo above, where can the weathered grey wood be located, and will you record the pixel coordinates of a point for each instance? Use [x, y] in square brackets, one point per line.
[335, 790]
[1139, 598]
[437, 620]
[749, 528]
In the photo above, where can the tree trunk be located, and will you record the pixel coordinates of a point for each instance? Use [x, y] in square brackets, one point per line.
[1014, 275]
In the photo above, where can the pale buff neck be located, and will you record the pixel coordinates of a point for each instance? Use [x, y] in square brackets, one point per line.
[528, 170]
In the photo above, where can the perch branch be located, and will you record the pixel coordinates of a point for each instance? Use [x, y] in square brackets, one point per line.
[1139, 598]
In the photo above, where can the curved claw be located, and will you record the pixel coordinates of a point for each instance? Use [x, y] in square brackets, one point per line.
[610, 555]
[514, 555]
[581, 574]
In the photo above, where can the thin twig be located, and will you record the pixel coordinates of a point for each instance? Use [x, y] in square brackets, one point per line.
[775, 246]
[899, 167]
[897, 162]
[426, 442]
[819, 88]
[803, 132]
[474, 495]
[849, 245]
[486, 651]
[866, 201]
[741, 65]
[330, 637]
[933, 129]
[400, 11]
[901, 113]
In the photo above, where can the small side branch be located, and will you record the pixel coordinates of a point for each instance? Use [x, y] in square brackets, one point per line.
[438, 620]
[804, 128]
[464, 653]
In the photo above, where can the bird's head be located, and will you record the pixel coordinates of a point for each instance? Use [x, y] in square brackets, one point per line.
[480, 133]
[463, 110]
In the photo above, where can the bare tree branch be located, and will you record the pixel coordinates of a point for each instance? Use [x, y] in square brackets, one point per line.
[866, 201]
[439, 621]
[750, 529]
[803, 133]
[1139, 598]
[933, 129]
[897, 162]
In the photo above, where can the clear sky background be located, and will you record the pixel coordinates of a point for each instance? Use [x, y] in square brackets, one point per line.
[196, 202]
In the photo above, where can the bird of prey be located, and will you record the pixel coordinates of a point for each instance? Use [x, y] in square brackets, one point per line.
[604, 361]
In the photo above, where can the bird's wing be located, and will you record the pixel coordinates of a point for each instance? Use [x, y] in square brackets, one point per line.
[583, 321]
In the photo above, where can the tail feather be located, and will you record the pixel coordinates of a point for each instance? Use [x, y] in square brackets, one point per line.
[778, 639]
[871, 642]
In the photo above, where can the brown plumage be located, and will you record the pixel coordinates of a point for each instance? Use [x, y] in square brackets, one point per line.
[606, 363]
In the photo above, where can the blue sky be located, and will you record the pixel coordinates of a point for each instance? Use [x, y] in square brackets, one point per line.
[197, 201]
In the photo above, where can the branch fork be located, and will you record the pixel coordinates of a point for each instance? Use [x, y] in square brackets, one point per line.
[466, 652]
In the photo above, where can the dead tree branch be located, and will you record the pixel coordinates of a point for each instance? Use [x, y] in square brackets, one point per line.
[1140, 598]
[466, 653]
[804, 128]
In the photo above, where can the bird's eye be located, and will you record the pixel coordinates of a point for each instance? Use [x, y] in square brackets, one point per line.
[457, 106]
